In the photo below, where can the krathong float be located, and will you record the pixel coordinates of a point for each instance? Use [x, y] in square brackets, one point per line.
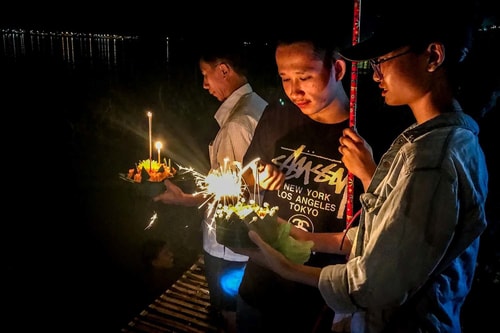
[150, 170]
[150, 173]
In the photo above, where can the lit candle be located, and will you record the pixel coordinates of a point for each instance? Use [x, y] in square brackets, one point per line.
[158, 146]
[150, 114]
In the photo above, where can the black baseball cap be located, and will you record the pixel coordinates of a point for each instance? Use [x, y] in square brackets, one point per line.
[412, 23]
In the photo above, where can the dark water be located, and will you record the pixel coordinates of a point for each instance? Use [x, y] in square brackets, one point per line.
[74, 116]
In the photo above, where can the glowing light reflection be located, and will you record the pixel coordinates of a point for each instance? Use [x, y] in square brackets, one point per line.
[231, 279]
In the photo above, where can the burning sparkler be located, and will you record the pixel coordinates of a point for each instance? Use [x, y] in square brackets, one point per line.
[221, 187]
[224, 185]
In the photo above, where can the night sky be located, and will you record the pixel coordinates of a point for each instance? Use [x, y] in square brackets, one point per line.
[192, 19]
[184, 19]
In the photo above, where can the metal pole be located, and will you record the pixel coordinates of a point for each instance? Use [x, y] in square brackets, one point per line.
[352, 104]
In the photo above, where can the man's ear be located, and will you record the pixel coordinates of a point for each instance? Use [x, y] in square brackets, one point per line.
[437, 55]
[225, 68]
[339, 65]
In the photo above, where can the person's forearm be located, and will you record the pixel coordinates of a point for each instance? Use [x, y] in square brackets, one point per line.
[307, 275]
[193, 200]
[331, 242]
[294, 272]
[367, 176]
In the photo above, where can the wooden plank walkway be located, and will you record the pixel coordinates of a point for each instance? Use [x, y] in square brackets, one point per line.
[184, 307]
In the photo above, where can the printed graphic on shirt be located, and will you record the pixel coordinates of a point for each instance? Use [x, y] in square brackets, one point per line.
[315, 189]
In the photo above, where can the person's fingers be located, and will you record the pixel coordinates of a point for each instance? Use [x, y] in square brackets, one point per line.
[171, 187]
[352, 135]
[270, 177]
[341, 149]
[272, 183]
[267, 172]
[167, 184]
[278, 182]
[349, 132]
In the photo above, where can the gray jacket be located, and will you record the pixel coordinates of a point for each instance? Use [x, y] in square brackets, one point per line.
[416, 245]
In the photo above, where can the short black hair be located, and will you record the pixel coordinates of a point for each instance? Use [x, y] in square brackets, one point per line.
[230, 51]
[321, 44]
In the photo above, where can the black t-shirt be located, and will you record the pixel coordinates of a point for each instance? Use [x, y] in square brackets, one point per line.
[313, 198]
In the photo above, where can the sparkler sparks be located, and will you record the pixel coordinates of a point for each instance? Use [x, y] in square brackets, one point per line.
[224, 185]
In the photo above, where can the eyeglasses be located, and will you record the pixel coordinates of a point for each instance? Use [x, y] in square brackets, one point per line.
[375, 63]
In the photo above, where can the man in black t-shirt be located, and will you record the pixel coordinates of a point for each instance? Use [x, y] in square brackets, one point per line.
[300, 138]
